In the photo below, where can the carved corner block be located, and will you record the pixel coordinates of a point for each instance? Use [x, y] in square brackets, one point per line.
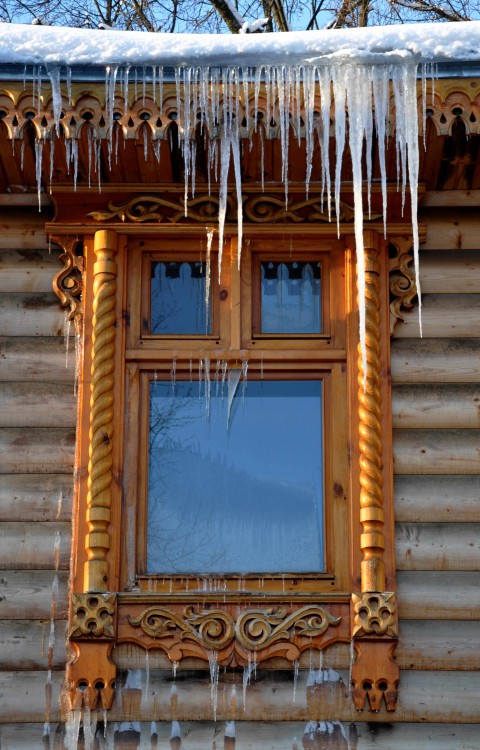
[375, 675]
[93, 617]
[374, 614]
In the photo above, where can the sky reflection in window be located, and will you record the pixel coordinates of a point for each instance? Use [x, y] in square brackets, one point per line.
[291, 301]
[178, 304]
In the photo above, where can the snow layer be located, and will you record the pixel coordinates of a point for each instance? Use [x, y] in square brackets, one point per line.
[418, 43]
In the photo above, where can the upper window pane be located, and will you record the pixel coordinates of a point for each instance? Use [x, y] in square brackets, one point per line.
[178, 298]
[235, 477]
[291, 297]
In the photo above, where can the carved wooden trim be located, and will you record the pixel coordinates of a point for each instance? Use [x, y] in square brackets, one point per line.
[68, 283]
[375, 676]
[403, 289]
[257, 209]
[91, 675]
[372, 539]
[374, 614]
[262, 632]
[92, 616]
[99, 497]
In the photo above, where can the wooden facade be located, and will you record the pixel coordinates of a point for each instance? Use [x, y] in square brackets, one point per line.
[436, 430]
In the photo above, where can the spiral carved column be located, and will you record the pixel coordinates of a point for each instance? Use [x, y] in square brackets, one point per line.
[99, 497]
[372, 540]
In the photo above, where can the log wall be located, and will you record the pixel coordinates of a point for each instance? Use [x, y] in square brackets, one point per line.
[436, 412]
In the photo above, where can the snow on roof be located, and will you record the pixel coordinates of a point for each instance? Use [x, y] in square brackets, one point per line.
[420, 43]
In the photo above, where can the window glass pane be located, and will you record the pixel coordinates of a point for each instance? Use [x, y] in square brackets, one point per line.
[235, 479]
[178, 304]
[291, 301]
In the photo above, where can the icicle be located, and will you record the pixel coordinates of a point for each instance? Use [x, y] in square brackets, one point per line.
[208, 277]
[296, 667]
[66, 336]
[147, 674]
[234, 375]
[173, 700]
[381, 101]
[214, 672]
[350, 666]
[38, 169]
[69, 85]
[54, 75]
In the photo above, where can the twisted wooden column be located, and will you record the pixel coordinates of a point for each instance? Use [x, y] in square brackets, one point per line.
[372, 540]
[99, 497]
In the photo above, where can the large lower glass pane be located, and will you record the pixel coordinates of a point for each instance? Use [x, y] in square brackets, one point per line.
[235, 477]
[291, 301]
[178, 298]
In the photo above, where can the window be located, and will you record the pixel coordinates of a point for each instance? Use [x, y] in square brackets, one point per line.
[234, 474]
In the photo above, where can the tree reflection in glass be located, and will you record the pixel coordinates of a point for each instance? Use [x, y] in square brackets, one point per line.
[237, 487]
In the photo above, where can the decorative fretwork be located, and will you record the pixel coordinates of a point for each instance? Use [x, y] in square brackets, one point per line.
[266, 632]
[258, 209]
[92, 616]
[403, 290]
[374, 614]
[68, 283]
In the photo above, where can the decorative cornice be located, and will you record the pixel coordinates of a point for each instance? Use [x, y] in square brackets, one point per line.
[374, 614]
[92, 616]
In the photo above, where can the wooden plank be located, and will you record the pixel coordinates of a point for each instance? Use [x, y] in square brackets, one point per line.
[443, 315]
[438, 595]
[450, 230]
[436, 451]
[36, 497]
[437, 546]
[36, 359]
[445, 360]
[425, 696]
[32, 314]
[264, 735]
[433, 644]
[28, 199]
[30, 545]
[46, 405]
[24, 644]
[28, 270]
[38, 450]
[437, 498]
[439, 405]
[450, 273]
[450, 198]
[28, 594]
[23, 228]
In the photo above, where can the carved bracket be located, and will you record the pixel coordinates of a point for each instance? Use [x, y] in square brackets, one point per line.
[374, 614]
[273, 631]
[403, 289]
[68, 283]
[91, 675]
[375, 676]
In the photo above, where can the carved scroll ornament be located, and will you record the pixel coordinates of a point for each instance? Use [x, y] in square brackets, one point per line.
[403, 289]
[68, 283]
[258, 209]
[270, 630]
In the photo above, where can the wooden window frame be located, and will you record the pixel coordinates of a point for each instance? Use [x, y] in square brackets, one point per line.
[108, 605]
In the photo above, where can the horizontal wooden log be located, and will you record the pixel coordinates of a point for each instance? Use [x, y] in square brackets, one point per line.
[455, 229]
[439, 595]
[33, 314]
[45, 405]
[439, 405]
[35, 545]
[36, 497]
[28, 594]
[24, 228]
[259, 734]
[450, 272]
[24, 644]
[38, 450]
[424, 696]
[437, 498]
[437, 546]
[427, 644]
[450, 198]
[36, 359]
[436, 451]
[436, 360]
[443, 315]
[28, 270]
